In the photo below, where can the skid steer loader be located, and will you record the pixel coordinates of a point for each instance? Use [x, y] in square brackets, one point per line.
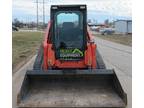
[68, 70]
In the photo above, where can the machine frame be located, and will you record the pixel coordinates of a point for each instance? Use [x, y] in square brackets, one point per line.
[50, 61]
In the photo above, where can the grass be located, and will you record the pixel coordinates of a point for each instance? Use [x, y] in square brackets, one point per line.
[24, 46]
[121, 39]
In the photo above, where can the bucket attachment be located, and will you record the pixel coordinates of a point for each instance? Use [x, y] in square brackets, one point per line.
[98, 88]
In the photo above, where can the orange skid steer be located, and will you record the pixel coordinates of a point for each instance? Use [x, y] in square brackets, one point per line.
[68, 70]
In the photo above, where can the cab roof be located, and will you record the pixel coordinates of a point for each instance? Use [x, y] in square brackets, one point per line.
[68, 7]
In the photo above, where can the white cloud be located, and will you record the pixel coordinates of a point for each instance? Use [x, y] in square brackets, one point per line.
[111, 7]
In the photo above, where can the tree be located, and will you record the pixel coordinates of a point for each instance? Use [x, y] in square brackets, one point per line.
[17, 23]
[89, 21]
[106, 22]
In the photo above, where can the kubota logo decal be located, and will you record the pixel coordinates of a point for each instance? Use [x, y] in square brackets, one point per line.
[78, 51]
[71, 53]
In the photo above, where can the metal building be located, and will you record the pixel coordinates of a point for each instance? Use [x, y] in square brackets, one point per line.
[123, 26]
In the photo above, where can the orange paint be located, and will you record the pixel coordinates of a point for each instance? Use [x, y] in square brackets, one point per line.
[50, 60]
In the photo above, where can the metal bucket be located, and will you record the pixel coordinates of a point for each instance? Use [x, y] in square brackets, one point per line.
[98, 88]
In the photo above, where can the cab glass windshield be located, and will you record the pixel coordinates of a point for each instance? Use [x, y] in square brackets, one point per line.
[69, 29]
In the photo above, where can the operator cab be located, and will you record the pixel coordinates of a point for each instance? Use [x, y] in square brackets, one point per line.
[69, 31]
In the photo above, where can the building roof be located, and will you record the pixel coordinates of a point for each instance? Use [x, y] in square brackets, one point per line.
[93, 24]
[123, 20]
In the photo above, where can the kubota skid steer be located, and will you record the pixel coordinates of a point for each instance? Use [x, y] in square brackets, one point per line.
[68, 70]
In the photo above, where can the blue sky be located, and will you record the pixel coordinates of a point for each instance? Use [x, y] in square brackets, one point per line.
[98, 10]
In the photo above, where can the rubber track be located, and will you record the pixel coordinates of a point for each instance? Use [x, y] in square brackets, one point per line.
[99, 60]
[39, 59]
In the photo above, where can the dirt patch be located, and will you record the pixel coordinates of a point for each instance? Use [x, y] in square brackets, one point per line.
[20, 64]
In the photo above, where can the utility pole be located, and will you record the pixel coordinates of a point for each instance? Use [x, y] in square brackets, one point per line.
[37, 14]
[43, 14]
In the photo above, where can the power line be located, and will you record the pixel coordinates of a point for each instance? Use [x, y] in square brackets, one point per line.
[43, 13]
[37, 14]
[37, 5]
